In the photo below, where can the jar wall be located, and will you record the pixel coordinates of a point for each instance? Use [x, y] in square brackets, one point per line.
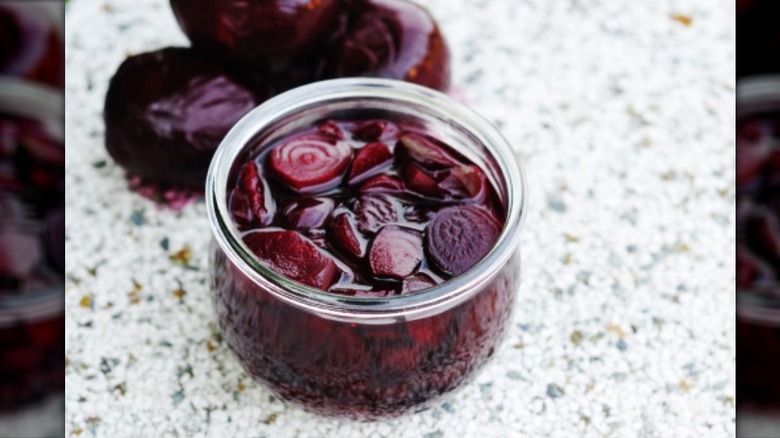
[358, 370]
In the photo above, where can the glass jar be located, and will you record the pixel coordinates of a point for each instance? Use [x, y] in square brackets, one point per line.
[758, 230]
[360, 357]
[32, 306]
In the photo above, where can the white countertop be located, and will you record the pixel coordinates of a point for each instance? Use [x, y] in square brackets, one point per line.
[624, 326]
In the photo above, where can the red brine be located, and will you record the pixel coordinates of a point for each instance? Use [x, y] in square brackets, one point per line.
[365, 207]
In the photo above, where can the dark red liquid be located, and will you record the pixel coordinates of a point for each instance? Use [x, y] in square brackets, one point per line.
[32, 247]
[354, 369]
[758, 256]
[31, 360]
[372, 208]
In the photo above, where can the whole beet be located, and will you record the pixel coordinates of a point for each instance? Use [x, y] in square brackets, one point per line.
[166, 113]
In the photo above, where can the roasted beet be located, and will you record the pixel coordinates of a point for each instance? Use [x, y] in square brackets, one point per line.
[394, 39]
[310, 163]
[263, 34]
[458, 237]
[292, 255]
[167, 111]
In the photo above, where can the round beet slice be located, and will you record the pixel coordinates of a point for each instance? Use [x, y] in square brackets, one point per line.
[395, 252]
[167, 111]
[369, 160]
[345, 236]
[458, 237]
[311, 162]
[290, 254]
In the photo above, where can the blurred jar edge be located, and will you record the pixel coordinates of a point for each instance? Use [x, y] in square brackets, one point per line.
[756, 95]
[36, 101]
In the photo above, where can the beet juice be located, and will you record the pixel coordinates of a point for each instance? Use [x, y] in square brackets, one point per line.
[366, 256]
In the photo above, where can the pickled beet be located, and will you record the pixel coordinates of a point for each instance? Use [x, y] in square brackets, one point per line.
[458, 237]
[394, 209]
[310, 163]
[292, 255]
[395, 39]
[395, 252]
[369, 160]
[167, 111]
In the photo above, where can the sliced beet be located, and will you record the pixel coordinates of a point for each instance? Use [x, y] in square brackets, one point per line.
[308, 213]
[375, 210]
[346, 237]
[424, 152]
[369, 160]
[463, 182]
[417, 282]
[395, 252]
[310, 163]
[257, 197]
[420, 181]
[459, 237]
[290, 254]
[374, 130]
[382, 183]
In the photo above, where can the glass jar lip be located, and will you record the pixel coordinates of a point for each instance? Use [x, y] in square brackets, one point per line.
[31, 306]
[335, 306]
[756, 95]
[32, 100]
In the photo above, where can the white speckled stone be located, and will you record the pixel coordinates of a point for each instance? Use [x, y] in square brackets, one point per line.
[624, 324]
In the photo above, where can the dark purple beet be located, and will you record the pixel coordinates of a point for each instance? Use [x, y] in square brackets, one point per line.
[167, 111]
[369, 160]
[395, 39]
[307, 213]
[458, 237]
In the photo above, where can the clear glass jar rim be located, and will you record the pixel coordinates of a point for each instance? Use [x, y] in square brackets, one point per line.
[378, 310]
[32, 100]
[755, 95]
[31, 306]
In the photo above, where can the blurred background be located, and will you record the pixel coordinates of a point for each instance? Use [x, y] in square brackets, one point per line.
[32, 219]
[758, 207]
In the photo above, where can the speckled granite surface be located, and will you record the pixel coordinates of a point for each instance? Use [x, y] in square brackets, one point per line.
[624, 115]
